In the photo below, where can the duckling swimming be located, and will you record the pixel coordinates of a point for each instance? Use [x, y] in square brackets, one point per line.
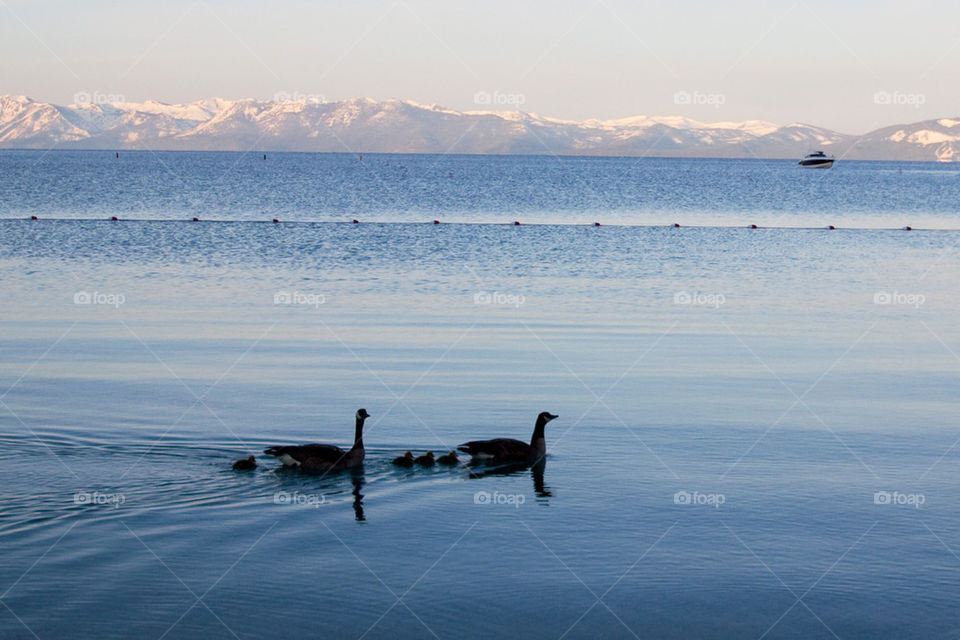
[449, 459]
[247, 464]
[425, 460]
[406, 460]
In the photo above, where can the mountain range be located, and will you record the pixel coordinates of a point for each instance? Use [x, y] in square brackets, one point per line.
[401, 126]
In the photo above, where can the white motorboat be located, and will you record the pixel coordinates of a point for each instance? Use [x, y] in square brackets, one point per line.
[817, 160]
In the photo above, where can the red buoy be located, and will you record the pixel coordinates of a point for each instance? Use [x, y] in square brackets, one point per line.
[114, 218]
[516, 223]
[676, 225]
[355, 221]
[33, 217]
[908, 228]
[196, 219]
[831, 227]
[275, 221]
[753, 226]
[118, 155]
[436, 222]
[596, 224]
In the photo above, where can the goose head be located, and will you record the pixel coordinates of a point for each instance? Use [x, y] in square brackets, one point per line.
[362, 415]
[546, 417]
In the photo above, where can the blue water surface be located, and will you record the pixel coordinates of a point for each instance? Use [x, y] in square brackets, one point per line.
[757, 432]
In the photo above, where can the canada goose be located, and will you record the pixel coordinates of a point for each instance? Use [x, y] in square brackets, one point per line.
[406, 460]
[449, 459]
[425, 460]
[323, 458]
[246, 464]
[510, 450]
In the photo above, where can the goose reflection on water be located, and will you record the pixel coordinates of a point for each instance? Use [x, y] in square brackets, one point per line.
[300, 488]
[356, 477]
[306, 489]
[537, 468]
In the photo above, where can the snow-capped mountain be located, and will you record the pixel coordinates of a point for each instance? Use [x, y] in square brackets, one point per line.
[399, 126]
[928, 140]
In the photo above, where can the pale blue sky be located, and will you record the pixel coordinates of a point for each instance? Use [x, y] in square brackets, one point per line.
[815, 61]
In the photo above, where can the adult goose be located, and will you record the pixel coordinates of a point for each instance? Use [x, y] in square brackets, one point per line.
[324, 458]
[510, 450]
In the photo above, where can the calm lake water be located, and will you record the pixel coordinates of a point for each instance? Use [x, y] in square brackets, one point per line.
[758, 431]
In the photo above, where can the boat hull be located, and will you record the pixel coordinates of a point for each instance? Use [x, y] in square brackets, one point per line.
[819, 163]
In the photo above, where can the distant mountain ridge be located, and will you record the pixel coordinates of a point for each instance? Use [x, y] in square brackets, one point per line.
[399, 126]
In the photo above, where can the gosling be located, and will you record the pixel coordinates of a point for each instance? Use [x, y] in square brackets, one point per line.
[425, 460]
[406, 460]
[247, 464]
[449, 459]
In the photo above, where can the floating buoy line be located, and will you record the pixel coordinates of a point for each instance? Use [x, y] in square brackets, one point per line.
[515, 223]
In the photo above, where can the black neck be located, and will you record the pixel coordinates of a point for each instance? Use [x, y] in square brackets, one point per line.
[538, 431]
[358, 434]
